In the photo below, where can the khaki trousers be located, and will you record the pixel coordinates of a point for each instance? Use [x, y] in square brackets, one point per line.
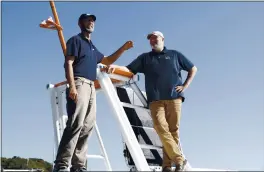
[166, 116]
[81, 120]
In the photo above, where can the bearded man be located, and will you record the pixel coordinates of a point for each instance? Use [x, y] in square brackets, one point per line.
[81, 61]
[164, 89]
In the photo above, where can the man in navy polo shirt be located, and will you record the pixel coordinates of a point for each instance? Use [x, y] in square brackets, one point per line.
[164, 88]
[81, 61]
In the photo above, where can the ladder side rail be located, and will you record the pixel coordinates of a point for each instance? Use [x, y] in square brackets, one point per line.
[60, 111]
[57, 117]
[140, 95]
[54, 155]
[102, 148]
[126, 129]
[53, 95]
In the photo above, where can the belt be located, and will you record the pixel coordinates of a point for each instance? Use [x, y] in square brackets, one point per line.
[84, 80]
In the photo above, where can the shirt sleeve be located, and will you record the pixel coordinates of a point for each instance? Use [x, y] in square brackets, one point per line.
[137, 65]
[184, 62]
[72, 47]
[99, 55]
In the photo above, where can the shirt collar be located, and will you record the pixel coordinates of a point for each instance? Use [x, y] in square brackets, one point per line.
[164, 51]
[83, 37]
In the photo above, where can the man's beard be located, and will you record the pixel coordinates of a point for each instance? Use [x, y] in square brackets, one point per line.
[88, 30]
[158, 47]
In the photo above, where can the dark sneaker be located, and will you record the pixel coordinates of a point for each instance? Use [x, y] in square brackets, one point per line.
[79, 170]
[61, 170]
[166, 169]
[181, 167]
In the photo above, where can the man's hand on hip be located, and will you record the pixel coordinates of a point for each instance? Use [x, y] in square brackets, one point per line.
[180, 89]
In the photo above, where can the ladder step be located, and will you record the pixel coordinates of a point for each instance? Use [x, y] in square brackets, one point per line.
[134, 106]
[145, 146]
[95, 156]
[145, 128]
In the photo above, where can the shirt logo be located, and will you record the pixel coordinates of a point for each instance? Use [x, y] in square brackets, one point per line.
[167, 57]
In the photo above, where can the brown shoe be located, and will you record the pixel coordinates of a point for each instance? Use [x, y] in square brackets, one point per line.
[181, 167]
[166, 169]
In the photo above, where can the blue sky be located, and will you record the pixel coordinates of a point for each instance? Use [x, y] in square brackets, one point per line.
[223, 116]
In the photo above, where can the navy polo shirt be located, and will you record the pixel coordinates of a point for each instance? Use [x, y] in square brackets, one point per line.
[87, 56]
[162, 73]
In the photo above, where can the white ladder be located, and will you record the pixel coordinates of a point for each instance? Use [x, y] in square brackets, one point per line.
[128, 135]
[141, 106]
[118, 108]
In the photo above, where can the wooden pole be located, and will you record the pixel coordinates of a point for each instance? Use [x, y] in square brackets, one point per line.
[57, 21]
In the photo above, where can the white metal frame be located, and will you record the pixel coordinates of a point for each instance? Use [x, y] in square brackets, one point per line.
[23, 170]
[124, 124]
[128, 136]
[135, 149]
[143, 100]
[59, 123]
